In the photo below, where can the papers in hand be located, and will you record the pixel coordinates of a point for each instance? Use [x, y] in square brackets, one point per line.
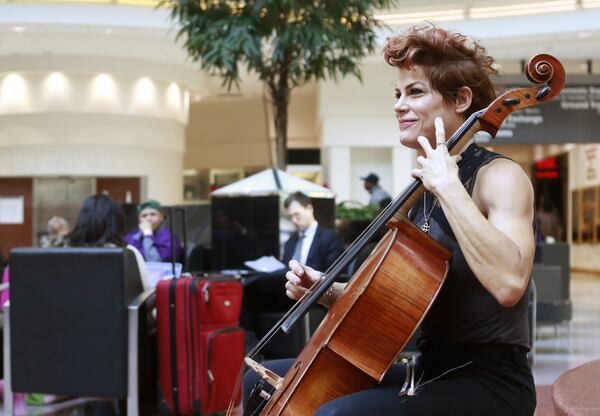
[265, 264]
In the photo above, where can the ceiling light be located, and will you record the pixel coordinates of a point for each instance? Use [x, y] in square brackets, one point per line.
[415, 17]
[522, 9]
[14, 93]
[589, 4]
[144, 92]
[19, 29]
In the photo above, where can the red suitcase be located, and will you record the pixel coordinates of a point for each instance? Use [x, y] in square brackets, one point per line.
[200, 343]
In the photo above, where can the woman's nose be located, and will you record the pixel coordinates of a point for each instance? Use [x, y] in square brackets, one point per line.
[400, 105]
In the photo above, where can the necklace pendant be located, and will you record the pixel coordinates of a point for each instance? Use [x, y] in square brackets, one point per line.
[425, 227]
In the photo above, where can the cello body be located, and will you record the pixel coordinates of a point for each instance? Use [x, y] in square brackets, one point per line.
[369, 325]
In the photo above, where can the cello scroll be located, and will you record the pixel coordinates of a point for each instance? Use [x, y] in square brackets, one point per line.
[542, 69]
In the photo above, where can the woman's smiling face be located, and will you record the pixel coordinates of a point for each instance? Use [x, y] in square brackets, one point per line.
[417, 106]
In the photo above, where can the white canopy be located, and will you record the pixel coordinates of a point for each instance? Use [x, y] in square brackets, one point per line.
[263, 183]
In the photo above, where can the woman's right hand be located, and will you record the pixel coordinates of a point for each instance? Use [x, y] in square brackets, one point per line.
[299, 279]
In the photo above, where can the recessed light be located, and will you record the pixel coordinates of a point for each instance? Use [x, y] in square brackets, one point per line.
[19, 29]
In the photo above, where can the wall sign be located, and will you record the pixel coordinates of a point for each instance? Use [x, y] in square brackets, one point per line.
[12, 210]
[572, 117]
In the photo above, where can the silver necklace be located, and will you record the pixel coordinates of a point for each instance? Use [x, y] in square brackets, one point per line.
[425, 227]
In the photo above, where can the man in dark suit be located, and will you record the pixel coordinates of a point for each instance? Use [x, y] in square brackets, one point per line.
[311, 244]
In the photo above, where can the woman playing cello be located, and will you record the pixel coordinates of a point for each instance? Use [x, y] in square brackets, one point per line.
[475, 337]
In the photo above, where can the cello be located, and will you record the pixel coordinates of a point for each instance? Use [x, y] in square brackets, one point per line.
[389, 295]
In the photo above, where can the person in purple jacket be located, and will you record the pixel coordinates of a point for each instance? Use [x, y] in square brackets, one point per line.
[152, 238]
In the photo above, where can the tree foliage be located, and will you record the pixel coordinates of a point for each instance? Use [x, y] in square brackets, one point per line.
[286, 42]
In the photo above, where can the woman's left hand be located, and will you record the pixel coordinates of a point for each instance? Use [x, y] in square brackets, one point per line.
[438, 168]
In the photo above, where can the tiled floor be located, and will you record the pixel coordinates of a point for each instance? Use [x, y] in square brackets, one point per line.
[557, 349]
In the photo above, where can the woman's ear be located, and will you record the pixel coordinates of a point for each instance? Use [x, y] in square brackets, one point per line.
[464, 98]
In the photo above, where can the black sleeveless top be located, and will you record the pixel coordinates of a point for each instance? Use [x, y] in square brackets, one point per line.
[464, 311]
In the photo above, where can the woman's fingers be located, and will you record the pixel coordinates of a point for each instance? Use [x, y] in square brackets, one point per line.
[425, 145]
[296, 267]
[421, 160]
[299, 278]
[440, 132]
[293, 290]
[292, 277]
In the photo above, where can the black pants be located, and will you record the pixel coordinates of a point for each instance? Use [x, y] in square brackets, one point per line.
[457, 380]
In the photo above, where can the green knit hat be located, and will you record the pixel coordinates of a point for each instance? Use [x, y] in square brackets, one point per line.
[151, 203]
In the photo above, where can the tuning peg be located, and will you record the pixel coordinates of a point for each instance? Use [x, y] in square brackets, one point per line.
[511, 101]
[542, 92]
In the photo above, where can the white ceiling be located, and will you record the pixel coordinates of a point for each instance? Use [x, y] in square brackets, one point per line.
[148, 34]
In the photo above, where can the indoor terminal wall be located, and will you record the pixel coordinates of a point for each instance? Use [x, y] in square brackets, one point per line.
[94, 124]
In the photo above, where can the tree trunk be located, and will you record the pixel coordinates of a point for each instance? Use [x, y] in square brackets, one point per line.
[280, 115]
[280, 95]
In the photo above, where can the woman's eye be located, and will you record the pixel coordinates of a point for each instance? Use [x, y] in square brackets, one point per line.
[397, 94]
[415, 91]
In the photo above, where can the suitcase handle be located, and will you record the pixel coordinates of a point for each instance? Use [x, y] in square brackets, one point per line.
[184, 242]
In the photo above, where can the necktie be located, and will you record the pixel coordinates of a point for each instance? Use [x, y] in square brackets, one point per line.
[298, 248]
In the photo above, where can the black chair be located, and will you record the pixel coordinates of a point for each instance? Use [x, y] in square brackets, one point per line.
[553, 304]
[552, 274]
[71, 326]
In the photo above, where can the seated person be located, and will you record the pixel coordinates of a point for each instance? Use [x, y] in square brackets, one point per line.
[153, 238]
[311, 244]
[58, 228]
[101, 223]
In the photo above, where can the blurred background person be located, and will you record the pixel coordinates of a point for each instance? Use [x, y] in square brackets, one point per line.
[101, 223]
[153, 238]
[379, 197]
[549, 228]
[58, 228]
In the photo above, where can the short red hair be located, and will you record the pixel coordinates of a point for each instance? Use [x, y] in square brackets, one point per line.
[449, 61]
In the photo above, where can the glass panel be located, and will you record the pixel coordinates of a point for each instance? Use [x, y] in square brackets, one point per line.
[244, 228]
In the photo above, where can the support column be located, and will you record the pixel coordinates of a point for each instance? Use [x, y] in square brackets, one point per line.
[337, 171]
[403, 162]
